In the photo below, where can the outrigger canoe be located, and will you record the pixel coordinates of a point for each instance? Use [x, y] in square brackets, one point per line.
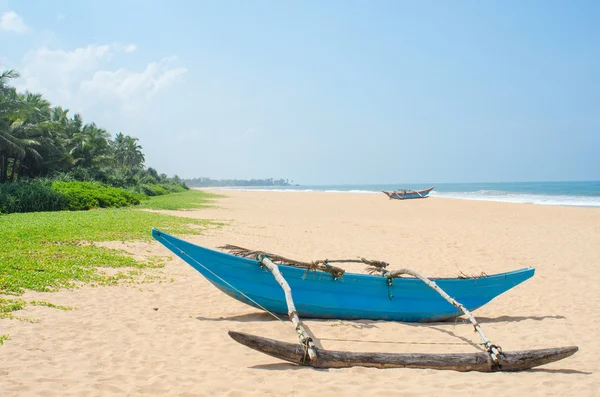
[318, 294]
[404, 194]
[324, 294]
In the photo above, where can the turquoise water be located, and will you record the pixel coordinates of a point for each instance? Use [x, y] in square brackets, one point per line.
[580, 194]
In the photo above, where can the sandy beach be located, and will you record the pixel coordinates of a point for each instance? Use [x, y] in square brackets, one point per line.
[170, 338]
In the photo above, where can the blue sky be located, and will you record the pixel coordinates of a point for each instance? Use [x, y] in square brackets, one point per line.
[326, 92]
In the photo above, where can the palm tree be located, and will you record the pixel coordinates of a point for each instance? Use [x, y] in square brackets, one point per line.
[25, 137]
[153, 173]
[54, 142]
[90, 146]
[9, 105]
[16, 137]
[127, 152]
[32, 128]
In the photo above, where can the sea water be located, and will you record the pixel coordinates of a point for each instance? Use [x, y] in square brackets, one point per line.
[579, 194]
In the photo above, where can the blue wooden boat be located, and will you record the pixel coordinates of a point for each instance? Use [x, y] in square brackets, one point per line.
[404, 194]
[318, 294]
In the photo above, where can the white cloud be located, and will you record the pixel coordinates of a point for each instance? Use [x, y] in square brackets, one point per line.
[124, 84]
[126, 48]
[12, 22]
[58, 74]
[80, 59]
[130, 48]
[81, 79]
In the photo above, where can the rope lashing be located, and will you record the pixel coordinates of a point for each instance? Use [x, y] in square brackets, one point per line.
[336, 272]
[390, 283]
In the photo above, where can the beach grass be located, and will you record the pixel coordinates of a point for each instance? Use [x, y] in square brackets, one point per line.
[190, 199]
[47, 251]
[10, 305]
[51, 305]
[7, 306]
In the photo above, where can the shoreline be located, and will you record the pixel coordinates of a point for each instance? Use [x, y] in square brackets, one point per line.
[225, 191]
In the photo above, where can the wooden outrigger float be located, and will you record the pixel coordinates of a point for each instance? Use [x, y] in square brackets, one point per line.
[462, 362]
[306, 353]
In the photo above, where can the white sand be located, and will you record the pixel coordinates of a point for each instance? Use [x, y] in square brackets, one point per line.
[117, 344]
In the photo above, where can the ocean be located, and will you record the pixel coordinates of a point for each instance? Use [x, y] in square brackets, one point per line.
[578, 194]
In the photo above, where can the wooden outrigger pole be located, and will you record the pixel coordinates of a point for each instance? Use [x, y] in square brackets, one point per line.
[305, 338]
[493, 350]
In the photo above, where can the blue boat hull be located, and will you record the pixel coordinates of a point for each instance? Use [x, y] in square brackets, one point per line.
[354, 296]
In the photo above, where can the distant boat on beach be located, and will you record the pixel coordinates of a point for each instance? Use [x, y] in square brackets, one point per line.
[403, 194]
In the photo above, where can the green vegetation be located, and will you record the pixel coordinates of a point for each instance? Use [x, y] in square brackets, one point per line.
[10, 305]
[44, 195]
[47, 251]
[30, 196]
[88, 195]
[7, 306]
[154, 189]
[51, 250]
[52, 305]
[187, 200]
[38, 140]
[3, 338]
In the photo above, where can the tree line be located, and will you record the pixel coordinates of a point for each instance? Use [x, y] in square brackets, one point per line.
[206, 182]
[39, 140]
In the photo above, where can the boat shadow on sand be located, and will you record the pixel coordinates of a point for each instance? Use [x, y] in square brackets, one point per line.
[366, 324]
[295, 367]
[370, 324]
[262, 316]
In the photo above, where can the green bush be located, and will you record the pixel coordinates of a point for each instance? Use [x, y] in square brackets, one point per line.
[88, 195]
[174, 188]
[75, 174]
[30, 196]
[121, 177]
[153, 189]
[139, 196]
[157, 189]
